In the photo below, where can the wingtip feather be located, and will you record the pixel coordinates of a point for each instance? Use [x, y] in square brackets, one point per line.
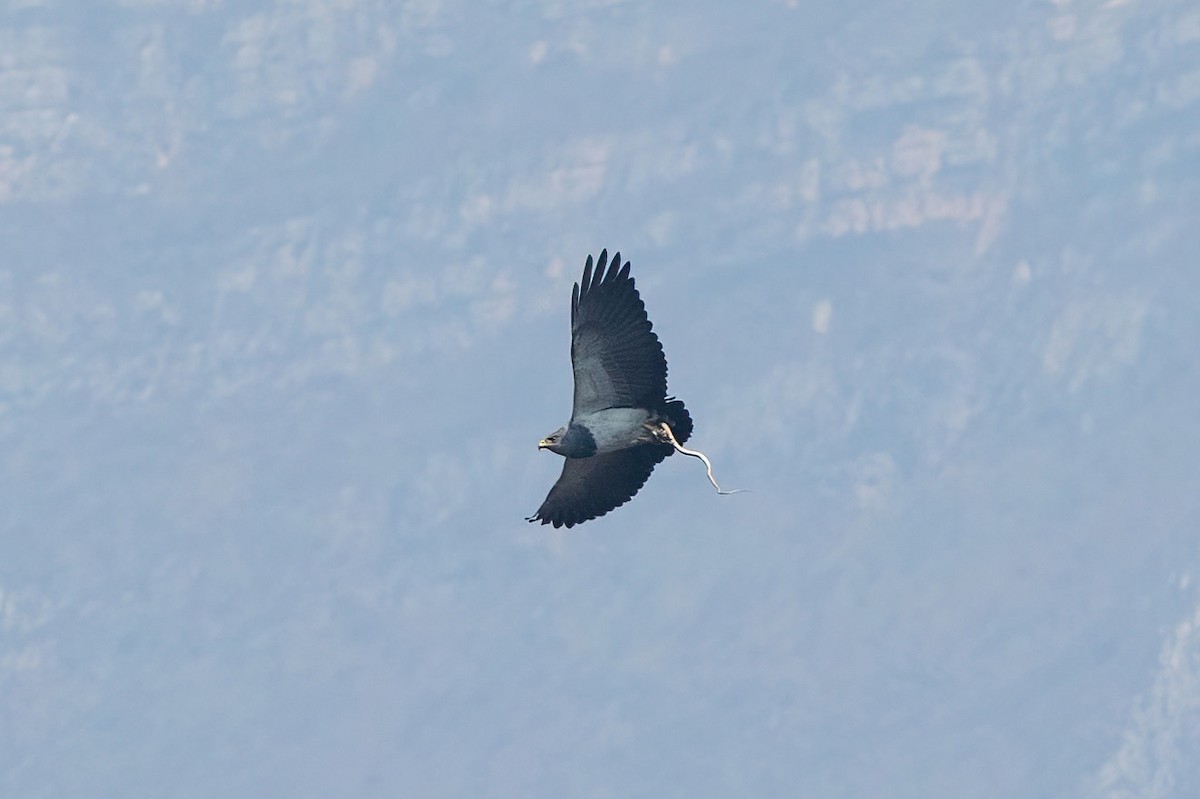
[587, 272]
[603, 270]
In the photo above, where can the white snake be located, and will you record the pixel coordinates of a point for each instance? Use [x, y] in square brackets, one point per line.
[664, 430]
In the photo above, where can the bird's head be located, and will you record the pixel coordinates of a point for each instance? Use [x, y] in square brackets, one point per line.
[553, 441]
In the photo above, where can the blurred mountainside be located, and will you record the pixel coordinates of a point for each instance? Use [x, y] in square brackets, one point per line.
[283, 311]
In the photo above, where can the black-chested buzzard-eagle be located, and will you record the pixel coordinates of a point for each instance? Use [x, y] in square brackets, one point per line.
[616, 436]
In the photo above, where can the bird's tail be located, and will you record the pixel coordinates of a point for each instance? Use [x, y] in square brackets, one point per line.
[678, 418]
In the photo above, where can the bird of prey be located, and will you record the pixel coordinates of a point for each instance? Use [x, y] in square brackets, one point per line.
[623, 424]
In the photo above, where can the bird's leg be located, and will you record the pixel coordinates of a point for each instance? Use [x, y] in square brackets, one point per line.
[663, 433]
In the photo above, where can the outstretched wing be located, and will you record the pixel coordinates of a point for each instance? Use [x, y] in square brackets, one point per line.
[618, 361]
[591, 487]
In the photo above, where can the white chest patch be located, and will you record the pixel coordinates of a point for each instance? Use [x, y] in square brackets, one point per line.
[618, 428]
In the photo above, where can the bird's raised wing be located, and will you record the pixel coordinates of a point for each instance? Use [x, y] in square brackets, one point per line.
[618, 361]
[591, 487]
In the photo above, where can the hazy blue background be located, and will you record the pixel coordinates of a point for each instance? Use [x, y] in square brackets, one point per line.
[284, 311]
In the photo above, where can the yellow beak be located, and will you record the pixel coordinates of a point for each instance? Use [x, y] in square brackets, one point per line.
[543, 444]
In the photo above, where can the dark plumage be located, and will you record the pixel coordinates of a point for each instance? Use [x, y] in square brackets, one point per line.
[611, 444]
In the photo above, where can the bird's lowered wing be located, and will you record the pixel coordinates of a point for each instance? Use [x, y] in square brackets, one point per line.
[591, 487]
[617, 359]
